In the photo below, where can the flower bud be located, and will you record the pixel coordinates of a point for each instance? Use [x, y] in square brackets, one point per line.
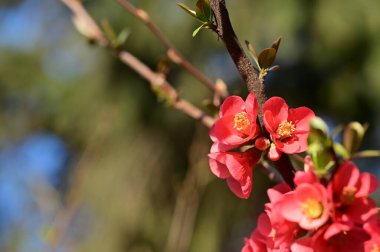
[262, 143]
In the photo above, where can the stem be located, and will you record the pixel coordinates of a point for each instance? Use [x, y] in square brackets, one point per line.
[227, 34]
[157, 82]
[172, 52]
[271, 172]
[66, 214]
[286, 169]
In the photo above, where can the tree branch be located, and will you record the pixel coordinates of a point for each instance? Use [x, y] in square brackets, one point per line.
[172, 52]
[227, 34]
[91, 30]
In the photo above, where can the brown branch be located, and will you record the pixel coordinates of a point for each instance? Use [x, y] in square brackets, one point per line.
[70, 208]
[271, 172]
[89, 28]
[227, 34]
[188, 197]
[286, 169]
[172, 52]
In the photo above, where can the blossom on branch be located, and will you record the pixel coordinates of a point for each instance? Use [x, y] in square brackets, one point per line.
[234, 131]
[288, 128]
[237, 122]
[236, 168]
[320, 216]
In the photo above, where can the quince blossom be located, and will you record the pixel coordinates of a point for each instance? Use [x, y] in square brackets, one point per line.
[349, 190]
[320, 216]
[237, 122]
[288, 128]
[236, 168]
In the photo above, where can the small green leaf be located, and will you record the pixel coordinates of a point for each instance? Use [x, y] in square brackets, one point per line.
[203, 11]
[266, 57]
[188, 10]
[367, 154]
[195, 32]
[341, 151]
[353, 136]
[122, 37]
[253, 53]
[318, 124]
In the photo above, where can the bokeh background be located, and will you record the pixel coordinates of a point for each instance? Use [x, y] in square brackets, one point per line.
[90, 160]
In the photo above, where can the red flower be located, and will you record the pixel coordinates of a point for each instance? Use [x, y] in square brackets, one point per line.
[288, 128]
[333, 239]
[236, 168]
[372, 228]
[308, 206]
[349, 190]
[273, 232]
[258, 240]
[237, 122]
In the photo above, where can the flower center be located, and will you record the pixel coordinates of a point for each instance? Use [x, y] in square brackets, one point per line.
[375, 248]
[241, 121]
[348, 195]
[286, 129]
[312, 208]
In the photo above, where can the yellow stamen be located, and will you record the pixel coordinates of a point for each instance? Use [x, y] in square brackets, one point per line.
[286, 129]
[348, 195]
[375, 248]
[241, 121]
[312, 208]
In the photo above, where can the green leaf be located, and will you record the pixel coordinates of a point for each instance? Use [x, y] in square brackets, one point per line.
[203, 11]
[318, 124]
[253, 53]
[122, 37]
[341, 151]
[188, 10]
[266, 57]
[367, 154]
[353, 136]
[195, 32]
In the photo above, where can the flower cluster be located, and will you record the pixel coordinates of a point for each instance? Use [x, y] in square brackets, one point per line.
[236, 126]
[239, 142]
[318, 216]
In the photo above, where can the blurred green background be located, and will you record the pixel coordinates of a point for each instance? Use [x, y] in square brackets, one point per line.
[80, 129]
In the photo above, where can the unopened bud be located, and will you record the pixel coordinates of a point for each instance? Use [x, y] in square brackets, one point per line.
[262, 143]
[274, 154]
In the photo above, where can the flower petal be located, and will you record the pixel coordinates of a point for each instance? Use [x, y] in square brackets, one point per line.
[301, 117]
[251, 107]
[232, 105]
[368, 184]
[217, 165]
[275, 111]
[241, 189]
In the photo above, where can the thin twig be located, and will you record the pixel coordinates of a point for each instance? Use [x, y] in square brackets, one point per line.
[188, 198]
[271, 172]
[156, 81]
[66, 214]
[172, 52]
[227, 34]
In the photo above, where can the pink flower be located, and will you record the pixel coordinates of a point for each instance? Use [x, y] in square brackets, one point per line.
[288, 128]
[333, 240]
[237, 122]
[236, 168]
[280, 232]
[257, 241]
[349, 190]
[373, 229]
[307, 176]
[307, 205]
